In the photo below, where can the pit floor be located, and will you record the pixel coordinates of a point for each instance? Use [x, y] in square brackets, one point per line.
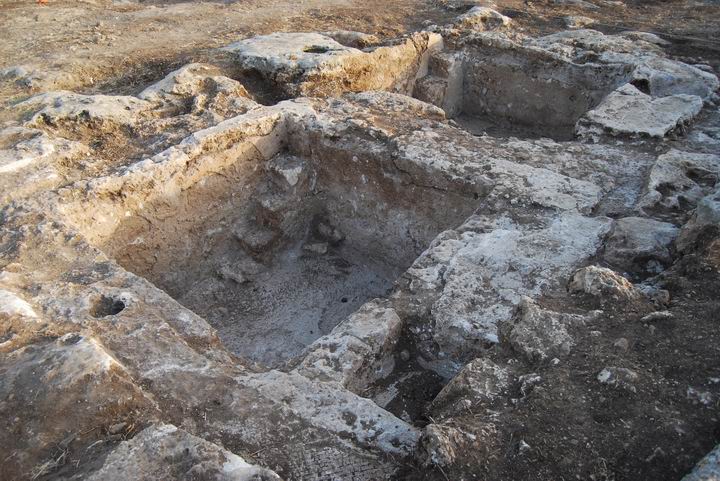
[300, 297]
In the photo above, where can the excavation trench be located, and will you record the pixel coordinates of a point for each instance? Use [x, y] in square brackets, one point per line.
[273, 249]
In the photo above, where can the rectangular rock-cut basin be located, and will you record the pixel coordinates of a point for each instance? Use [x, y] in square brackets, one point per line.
[265, 227]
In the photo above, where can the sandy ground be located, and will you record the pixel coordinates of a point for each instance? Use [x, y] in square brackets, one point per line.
[119, 46]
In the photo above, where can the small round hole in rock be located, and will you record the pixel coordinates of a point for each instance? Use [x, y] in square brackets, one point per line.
[344, 299]
[107, 306]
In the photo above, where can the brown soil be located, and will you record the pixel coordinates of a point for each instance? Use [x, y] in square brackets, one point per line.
[578, 428]
[103, 46]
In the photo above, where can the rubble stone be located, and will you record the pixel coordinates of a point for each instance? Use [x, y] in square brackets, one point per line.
[635, 240]
[629, 112]
[164, 452]
[482, 18]
[619, 377]
[475, 387]
[602, 282]
[540, 334]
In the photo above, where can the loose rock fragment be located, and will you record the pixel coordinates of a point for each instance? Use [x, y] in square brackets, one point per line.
[657, 316]
[679, 180]
[482, 18]
[164, 453]
[707, 468]
[602, 282]
[575, 21]
[476, 386]
[619, 377]
[630, 113]
[706, 216]
[540, 334]
[635, 241]
[441, 445]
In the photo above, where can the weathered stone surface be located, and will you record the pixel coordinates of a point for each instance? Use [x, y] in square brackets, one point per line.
[635, 241]
[255, 217]
[189, 81]
[75, 380]
[475, 290]
[645, 37]
[338, 410]
[316, 65]
[602, 282]
[576, 3]
[482, 18]
[661, 76]
[204, 87]
[627, 112]
[539, 334]
[358, 351]
[678, 181]
[441, 445]
[707, 469]
[706, 214]
[443, 86]
[666, 77]
[12, 305]
[164, 452]
[476, 387]
[511, 80]
[619, 377]
[29, 147]
[62, 106]
[574, 44]
[32, 161]
[577, 21]
[352, 39]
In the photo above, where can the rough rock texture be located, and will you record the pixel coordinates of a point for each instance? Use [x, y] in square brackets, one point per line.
[479, 384]
[164, 452]
[353, 39]
[441, 445]
[638, 244]
[705, 216]
[630, 113]
[539, 334]
[191, 279]
[482, 18]
[577, 21]
[202, 85]
[74, 376]
[32, 161]
[71, 107]
[618, 377]
[602, 282]
[513, 81]
[678, 180]
[707, 469]
[659, 75]
[358, 351]
[475, 291]
[317, 65]
[443, 86]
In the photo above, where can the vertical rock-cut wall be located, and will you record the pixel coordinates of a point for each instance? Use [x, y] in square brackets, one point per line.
[155, 216]
[532, 88]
